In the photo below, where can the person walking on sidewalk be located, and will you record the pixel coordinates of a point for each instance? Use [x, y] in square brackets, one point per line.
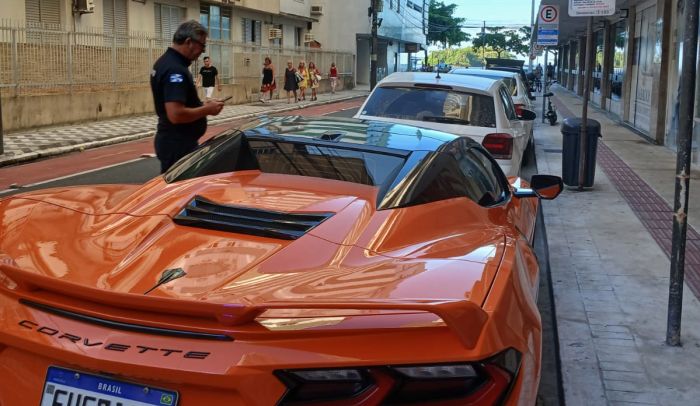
[182, 117]
[268, 81]
[314, 79]
[333, 75]
[290, 81]
[208, 78]
[301, 69]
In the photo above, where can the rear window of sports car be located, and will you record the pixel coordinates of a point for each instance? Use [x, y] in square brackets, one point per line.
[429, 104]
[228, 153]
[367, 168]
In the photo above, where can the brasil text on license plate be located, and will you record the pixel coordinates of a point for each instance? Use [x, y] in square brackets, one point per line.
[64, 387]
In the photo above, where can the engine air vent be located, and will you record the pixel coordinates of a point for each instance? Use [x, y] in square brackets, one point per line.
[204, 213]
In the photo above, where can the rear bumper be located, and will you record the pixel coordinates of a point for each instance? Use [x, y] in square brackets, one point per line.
[233, 372]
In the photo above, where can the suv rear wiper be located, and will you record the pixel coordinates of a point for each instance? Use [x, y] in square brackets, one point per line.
[448, 120]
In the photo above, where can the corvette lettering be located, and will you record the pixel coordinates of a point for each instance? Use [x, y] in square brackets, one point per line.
[110, 346]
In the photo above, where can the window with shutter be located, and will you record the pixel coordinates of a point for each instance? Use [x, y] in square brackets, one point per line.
[43, 13]
[115, 21]
[168, 18]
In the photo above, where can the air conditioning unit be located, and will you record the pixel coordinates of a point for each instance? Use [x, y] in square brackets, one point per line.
[84, 6]
[316, 10]
[274, 33]
[308, 37]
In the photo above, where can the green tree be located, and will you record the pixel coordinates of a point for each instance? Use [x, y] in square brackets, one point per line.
[518, 41]
[492, 39]
[443, 28]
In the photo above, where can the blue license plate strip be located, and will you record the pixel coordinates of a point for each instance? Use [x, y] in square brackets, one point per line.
[66, 387]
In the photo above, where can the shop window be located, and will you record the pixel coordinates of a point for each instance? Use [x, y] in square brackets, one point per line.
[217, 20]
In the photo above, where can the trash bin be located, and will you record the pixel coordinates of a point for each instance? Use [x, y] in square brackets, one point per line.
[571, 156]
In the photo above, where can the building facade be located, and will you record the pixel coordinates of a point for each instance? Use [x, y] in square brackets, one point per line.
[346, 25]
[64, 51]
[637, 65]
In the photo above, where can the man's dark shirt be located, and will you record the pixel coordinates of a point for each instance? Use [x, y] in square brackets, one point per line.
[208, 75]
[171, 81]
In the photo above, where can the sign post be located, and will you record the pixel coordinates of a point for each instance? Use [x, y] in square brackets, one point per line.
[548, 26]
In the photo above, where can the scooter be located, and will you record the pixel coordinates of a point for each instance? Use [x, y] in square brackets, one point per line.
[551, 113]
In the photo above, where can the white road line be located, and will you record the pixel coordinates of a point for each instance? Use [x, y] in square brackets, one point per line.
[72, 175]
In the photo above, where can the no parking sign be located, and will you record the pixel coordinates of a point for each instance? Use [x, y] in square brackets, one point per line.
[548, 25]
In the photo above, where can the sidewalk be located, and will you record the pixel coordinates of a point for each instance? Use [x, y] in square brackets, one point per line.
[39, 143]
[609, 254]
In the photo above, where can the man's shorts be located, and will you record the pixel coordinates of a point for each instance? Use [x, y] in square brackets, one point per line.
[209, 92]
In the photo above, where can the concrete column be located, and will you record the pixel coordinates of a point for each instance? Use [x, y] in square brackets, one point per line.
[659, 92]
[572, 65]
[560, 65]
[581, 64]
[608, 62]
[629, 63]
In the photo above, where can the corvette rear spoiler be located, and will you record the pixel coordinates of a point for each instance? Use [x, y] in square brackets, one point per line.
[464, 318]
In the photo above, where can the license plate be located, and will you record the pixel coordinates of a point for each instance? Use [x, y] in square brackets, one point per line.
[67, 388]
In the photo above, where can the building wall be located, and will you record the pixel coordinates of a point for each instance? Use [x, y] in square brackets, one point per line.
[296, 7]
[340, 23]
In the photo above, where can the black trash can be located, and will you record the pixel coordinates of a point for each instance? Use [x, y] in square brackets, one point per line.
[571, 156]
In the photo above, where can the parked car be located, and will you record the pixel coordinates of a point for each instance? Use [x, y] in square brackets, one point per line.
[469, 106]
[517, 87]
[292, 261]
[511, 65]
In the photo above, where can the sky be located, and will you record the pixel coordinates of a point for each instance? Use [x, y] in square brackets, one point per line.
[494, 12]
[509, 13]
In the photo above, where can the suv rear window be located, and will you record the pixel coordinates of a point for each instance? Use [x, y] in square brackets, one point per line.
[439, 105]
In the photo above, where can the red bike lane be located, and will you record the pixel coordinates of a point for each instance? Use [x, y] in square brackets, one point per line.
[92, 159]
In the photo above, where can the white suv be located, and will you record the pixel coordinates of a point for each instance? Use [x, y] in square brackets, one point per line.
[470, 106]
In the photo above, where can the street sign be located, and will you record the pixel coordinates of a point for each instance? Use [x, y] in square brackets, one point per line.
[548, 25]
[591, 8]
[548, 14]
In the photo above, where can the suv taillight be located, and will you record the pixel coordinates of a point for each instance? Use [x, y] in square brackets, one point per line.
[500, 145]
[519, 109]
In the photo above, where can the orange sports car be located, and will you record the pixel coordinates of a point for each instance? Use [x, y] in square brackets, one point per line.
[292, 261]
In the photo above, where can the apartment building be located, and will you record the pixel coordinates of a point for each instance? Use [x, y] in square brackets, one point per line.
[102, 51]
[346, 25]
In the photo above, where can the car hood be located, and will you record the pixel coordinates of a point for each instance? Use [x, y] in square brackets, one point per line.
[121, 240]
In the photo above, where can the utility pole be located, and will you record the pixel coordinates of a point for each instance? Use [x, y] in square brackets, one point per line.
[686, 100]
[483, 48]
[2, 142]
[588, 65]
[374, 9]
[532, 30]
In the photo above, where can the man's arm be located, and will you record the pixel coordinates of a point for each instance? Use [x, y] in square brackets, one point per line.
[218, 83]
[179, 114]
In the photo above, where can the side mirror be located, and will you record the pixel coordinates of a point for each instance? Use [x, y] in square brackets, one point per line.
[527, 115]
[545, 187]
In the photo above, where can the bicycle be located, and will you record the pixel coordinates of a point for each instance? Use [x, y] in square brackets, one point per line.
[551, 113]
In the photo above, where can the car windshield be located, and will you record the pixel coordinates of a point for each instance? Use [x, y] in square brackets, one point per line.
[429, 104]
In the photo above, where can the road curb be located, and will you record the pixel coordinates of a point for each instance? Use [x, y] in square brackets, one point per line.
[49, 152]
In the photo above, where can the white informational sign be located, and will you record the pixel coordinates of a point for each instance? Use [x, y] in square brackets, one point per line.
[548, 25]
[591, 8]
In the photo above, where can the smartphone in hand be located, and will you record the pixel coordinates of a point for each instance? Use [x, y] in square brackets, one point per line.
[225, 99]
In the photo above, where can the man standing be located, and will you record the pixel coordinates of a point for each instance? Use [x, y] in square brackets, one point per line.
[550, 71]
[182, 118]
[208, 78]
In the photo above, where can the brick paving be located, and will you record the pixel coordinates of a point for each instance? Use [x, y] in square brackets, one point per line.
[652, 210]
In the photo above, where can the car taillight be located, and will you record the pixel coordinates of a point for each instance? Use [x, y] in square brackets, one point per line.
[500, 145]
[475, 383]
[323, 384]
[519, 109]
